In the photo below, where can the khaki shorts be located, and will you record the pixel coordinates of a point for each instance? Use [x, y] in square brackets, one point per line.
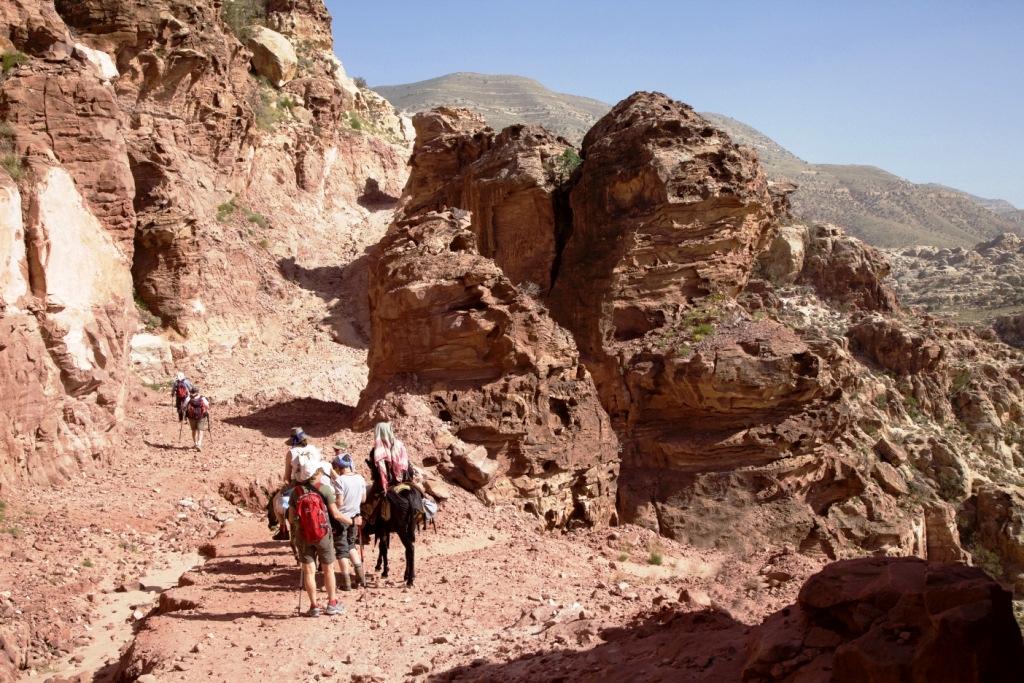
[307, 553]
[200, 425]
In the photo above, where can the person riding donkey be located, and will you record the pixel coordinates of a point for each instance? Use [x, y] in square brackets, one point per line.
[313, 505]
[392, 472]
[298, 447]
[350, 488]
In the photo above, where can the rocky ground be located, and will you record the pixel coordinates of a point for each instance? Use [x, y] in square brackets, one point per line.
[490, 584]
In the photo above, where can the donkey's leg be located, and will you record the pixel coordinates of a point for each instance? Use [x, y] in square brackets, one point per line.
[382, 559]
[408, 537]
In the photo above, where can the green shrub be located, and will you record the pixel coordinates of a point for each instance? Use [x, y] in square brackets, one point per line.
[360, 82]
[702, 330]
[987, 560]
[623, 557]
[354, 121]
[568, 162]
[12, 60]
[257, 218]
[268, 115]
[226, 210]
[655, 558]
[264, 243]
[241, 15]
[882, 401]
[12, 164]
[87, 563]
[960, 382]
[149, 319]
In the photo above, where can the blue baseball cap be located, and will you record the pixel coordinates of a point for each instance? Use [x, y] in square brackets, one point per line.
[342, 461]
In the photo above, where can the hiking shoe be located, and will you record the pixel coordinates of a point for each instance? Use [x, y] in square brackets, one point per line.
[314, 611]
[334, 609]
[281, 535]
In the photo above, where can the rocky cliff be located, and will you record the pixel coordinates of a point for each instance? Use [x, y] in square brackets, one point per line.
[152, 151]
[761, 377]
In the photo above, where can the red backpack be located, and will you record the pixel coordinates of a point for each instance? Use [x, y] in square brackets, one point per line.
[196, 409]
[312, 514]
[180, 390]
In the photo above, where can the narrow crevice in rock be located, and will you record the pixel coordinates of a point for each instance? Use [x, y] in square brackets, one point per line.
[563, 225]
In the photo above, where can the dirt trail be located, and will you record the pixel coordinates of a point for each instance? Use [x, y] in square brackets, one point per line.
[491, 587]
[113, 616]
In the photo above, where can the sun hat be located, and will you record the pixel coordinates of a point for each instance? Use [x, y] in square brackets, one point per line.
[298, 436]
[340, 445]
[180, 376]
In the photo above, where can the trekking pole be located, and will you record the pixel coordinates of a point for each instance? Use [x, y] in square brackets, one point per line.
[179, 431]
[300, 589]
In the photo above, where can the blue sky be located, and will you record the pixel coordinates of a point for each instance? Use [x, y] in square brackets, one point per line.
[932, 91]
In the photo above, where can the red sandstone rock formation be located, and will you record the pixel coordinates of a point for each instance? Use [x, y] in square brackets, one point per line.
[509, 182]
[135, 121]
[880, 620]
[450, 327]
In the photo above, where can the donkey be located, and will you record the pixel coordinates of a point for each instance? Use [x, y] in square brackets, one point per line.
[401, 521]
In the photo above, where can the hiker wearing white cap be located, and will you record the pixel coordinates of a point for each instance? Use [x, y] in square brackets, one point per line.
[313, 505]
[181, 389]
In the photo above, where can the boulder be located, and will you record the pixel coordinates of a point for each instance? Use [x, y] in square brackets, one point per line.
[783, 261]
[150, 352]
[894, 346]
[846, 270]
[886, 620]
[273, 56]
[994, 521]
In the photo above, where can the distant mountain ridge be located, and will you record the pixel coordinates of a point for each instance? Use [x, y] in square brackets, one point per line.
[871, 203]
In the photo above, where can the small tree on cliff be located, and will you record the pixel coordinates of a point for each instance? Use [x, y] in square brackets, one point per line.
[241, 15]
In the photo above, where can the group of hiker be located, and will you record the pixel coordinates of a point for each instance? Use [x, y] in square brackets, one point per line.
[319, 506]
[190, 404]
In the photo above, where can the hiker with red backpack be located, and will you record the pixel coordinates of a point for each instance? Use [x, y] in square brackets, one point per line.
[197, 410]
[180, 392]
[313, 505]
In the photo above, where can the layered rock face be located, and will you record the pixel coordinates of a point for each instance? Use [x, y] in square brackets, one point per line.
[509, 182]
[201, 129]
[66, 311]
[666, 210]
[148, 154]
[763, 381]
[449, 326]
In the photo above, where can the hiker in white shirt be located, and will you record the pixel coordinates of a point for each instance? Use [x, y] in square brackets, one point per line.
[350, 488]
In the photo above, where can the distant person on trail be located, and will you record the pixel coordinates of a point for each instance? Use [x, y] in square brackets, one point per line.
[313, 505]
[197, 410]
[351, 494]
[180, 391]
